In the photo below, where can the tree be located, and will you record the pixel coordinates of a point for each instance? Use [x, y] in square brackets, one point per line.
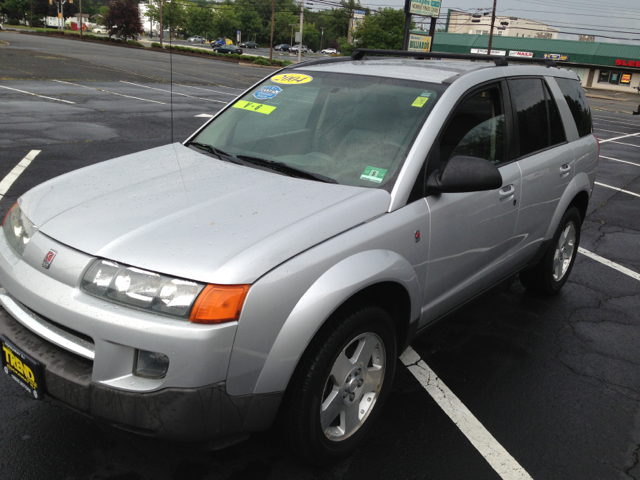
[123, 19]
[199, 21]
[15, 9]
[382, 30]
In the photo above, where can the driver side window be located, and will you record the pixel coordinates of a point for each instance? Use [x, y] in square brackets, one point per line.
[477, 128]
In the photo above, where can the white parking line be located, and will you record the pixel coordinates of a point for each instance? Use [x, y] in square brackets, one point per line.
[603, 130]
[203, 115]
[107, 91]
[629, 144]
[36, 95]
[622, 136]
[615, 120]
[618, 160]
[174, 93]
[206, 89]
[494, 453]
[616, 188]
[13, 175]
[609, 263]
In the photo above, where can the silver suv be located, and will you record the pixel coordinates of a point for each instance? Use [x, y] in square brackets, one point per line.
[282, 257]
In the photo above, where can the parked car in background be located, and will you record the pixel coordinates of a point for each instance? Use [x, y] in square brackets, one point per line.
[282, 47]
[294, 49]
[329, 50]
[228, 49]
[222, 41]
[100, 29]
[277, 263]
[196, 39]
[248, 44]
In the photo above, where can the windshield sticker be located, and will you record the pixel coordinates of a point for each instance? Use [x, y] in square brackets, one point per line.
[291, 78]
[373, 174]
[426, 93]
[265, 93]
[419, 102]
[254, 107]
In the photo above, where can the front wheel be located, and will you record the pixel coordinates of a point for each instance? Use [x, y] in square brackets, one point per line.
[341, 384]
[550, 275]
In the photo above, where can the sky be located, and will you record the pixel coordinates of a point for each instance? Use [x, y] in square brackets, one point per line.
[617, 19]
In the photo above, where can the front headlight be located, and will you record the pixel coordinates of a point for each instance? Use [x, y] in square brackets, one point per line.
[141, 288]
[162, 294]
[18, 229]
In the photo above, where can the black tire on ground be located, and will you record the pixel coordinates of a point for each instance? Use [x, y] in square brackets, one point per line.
[546, 277]
[364, 336]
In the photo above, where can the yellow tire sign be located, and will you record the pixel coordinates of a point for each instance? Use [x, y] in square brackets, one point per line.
[291, 78]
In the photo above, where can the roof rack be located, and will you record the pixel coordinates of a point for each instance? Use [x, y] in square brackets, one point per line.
[500, 61]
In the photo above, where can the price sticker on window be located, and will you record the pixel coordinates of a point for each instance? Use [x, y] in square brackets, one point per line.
[254, 107]
[419, 102]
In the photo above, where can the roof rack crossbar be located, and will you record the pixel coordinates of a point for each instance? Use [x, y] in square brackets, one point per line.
[499, 60]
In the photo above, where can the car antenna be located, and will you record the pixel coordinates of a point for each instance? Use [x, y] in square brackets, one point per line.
[171, 78]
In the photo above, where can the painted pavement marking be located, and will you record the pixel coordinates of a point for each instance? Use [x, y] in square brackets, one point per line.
[618, 189]
[13, 175]
[174, 93]
[609, 263]
[37, 95]
[107, 91]
[494, 453]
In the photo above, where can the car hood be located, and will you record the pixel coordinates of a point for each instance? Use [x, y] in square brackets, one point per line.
[173, 210]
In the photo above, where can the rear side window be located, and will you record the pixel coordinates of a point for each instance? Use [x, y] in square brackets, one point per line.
[538, 118]
[577, 101]
[530, 103]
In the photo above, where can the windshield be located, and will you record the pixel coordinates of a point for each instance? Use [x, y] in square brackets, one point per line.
[355, 130]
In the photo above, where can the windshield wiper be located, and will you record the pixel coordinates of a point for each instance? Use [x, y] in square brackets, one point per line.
[287, 169]
[216, 151]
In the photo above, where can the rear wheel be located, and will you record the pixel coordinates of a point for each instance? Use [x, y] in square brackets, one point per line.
[341, 384]
[550, 275]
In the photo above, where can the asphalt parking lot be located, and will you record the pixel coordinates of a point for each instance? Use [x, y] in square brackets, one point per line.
[520, 387]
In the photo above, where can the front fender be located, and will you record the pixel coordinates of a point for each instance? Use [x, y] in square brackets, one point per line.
[331, 290]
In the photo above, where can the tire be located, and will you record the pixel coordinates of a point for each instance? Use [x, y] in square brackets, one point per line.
[552, 272]
[341, 384]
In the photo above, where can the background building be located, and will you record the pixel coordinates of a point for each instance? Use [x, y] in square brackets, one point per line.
[605, 66]
[480, 24]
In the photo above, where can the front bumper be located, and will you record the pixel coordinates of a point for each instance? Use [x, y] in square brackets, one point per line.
[186, 414]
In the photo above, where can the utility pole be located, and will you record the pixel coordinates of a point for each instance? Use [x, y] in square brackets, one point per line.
[80, 19]
[273, 14]
[322, 36]
[301, 24]
[31, 19]
[161, 29]
[291, 38]
[407, 25]
[493, 21]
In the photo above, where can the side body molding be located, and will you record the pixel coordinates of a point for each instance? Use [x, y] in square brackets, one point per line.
[331, 290]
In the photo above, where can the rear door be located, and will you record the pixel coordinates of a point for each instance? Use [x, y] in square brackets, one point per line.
[545, 158]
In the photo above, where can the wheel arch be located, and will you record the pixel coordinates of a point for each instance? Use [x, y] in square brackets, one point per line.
[576, 194]
[378, 276]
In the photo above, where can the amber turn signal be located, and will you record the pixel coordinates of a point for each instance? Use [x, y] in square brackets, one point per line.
[219, 304]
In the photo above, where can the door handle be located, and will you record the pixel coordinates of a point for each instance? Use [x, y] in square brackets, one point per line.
[564, 169]
[507, 191]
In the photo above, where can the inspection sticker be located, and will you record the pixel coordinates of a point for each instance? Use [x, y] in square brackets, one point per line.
[419, 102]
[292, 78]
[373, 174]
[254, 107]
[265, 93]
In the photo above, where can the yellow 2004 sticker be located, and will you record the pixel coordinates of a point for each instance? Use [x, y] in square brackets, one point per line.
[291, 78]
[254, 107]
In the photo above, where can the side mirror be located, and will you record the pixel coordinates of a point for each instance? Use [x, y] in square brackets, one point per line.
[465, 174]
